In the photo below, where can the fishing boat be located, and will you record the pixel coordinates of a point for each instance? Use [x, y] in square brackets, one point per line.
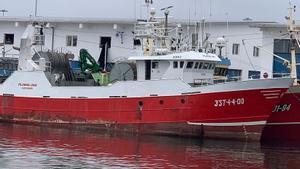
[284, 121]
[174, 93]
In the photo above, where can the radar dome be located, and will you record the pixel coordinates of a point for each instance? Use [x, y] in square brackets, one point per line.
[152, 11]
[221, 42]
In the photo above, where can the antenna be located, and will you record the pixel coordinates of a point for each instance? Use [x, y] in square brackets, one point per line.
[210, 14]
[294, 41]
[148, 2]
[35, 9]
[195, 4]
[166, 12]
[227, 31]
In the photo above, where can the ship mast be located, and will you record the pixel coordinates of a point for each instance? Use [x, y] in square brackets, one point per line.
[294, 41]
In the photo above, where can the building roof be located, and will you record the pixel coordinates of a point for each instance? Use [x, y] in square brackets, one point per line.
[270, 25]
[68, 20]
[117, 20]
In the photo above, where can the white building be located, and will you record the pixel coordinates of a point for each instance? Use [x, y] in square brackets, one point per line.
[72, 34]
[276, 40]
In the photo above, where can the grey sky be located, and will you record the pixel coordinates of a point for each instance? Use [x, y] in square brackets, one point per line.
[262, 10]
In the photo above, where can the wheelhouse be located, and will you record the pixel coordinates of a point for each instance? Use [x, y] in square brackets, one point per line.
[192, 67]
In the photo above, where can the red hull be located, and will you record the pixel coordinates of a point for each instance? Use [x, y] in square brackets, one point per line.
[284, 122]
[149, 115]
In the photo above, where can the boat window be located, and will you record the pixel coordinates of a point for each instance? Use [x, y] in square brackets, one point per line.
[225, 72]
[205, 66]
[189, 65]
[196, 65]
[181, 64]
[213, 66]
[175, 64]
[154, 65]
[10, 67]
[200, 65]
[209, 66]
[217, 71]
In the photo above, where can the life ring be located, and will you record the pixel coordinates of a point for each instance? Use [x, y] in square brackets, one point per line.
[265, 75]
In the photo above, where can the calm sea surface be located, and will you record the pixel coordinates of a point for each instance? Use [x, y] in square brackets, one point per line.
[40, 147]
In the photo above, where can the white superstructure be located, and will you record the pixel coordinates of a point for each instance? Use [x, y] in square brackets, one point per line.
[72, 34]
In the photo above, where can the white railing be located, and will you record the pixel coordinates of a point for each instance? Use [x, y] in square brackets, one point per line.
[215, 80]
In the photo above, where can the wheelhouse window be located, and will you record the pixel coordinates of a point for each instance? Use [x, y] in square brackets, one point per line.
[154, 65]
[71, 40]
[196, 65]
[181, 64]
[235, 49]
[205, 66]
[200, 65]
[220, 71]
[9, 39]
[209, 66]
[213, 65]
[175, 64]
[189, 65]
[255, 51]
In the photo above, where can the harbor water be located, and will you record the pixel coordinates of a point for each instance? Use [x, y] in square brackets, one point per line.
[41, 147]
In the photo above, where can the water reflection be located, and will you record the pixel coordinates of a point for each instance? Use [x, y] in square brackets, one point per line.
[38, 147]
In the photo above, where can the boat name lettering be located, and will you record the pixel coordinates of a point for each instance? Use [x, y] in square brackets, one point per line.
[176, 57]
[282, 108]
[208, 56]
[27, 85]
[229, 102]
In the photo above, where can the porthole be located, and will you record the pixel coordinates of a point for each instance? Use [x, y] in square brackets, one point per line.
[141, 103]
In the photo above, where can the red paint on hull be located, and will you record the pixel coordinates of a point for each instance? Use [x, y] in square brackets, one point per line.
[284, 124]
[131, 114]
